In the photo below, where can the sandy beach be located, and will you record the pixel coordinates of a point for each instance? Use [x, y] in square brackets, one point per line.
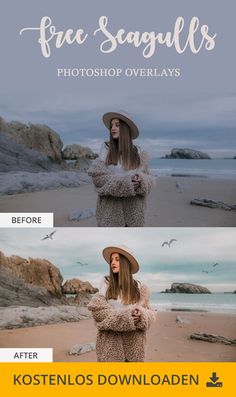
[167, 205]
[166, 340]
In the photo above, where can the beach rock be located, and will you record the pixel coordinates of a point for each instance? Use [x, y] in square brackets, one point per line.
[24, 316]
[212, 338]
[75, 286]
[81, 349]
[75, 152]
[16, 157]
[186, 288]
[78, 157]
[84, 214]
[191, 154]
[39, 272]
[212, 204]
[82, 165]
[16, 292]
[179, 320]
[82, 299]
[35, 136]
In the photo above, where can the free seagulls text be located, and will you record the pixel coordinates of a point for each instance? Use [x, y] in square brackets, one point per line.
[183, 35]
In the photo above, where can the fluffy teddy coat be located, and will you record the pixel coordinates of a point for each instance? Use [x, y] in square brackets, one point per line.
[119, 338]
[119, 204]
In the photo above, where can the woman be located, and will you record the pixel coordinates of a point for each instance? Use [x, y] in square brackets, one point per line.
[121, 175]
[121, 310]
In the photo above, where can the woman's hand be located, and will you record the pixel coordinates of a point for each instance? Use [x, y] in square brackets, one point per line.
[136, 315]
[136, 181]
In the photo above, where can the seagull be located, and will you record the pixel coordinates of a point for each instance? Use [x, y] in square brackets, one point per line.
[82, 264]
[168, 242]
[216, 264]
[205, 271]
[179, 187]
[49, 236]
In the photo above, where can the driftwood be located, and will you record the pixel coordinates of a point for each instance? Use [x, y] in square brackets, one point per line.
[180, 309]
[212, 338]
[213, 204]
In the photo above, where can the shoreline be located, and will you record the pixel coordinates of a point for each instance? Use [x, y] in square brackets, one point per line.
[168, 204]
[167, 340]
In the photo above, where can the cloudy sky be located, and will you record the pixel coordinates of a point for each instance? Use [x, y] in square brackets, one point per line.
[196, 249]
[196, 110]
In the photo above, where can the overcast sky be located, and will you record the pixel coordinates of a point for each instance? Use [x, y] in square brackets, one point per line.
[196, 110]
[196, 249]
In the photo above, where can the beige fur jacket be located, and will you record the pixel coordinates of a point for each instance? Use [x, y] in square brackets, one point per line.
[119, 204]
[119, 338]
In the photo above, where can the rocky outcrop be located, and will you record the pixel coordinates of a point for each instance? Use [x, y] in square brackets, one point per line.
[178, 153]
[75, 286]
[16, 292]
[75, 152]
[16, 157]
[34, 148]
[81, 299]
[37, 282]
[78, 157]
[186, 288]
[35, 136]
[39, 272]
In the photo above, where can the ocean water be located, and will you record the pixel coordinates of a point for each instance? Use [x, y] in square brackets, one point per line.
[216, 303]
[215, 168]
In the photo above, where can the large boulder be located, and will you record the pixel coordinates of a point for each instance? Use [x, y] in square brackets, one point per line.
[17, 157]
[75, 286]
[78, 157]
[186, 288]
[75, 152]
[177, 153]
[81, 299]
[39, 272]
[35, 136]
[15, 291]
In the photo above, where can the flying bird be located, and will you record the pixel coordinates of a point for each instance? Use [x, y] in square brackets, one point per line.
[82, 264]
[168, 242]
[216, 264]
[207, 271]
[49, 236]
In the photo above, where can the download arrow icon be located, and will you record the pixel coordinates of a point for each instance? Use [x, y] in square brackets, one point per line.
[214, 378]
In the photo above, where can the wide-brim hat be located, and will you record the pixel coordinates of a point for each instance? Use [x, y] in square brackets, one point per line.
[107, 117]
[121, 249]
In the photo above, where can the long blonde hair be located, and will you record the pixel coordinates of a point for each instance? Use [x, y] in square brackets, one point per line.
[122, 284]
[123, 149]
